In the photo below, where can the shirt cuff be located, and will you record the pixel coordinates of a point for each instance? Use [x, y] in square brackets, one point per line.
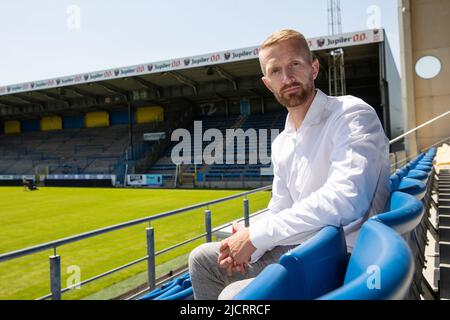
[257, 255]
[258, 235]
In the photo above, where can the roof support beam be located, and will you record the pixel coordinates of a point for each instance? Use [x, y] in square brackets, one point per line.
[8, 104]
[256, 92]
[225, 75]
[184, 80]
[56, 97]
[29, 100]
[189, 101]
[82, 93]
[113, 89]
[147, 84]
[53, 96]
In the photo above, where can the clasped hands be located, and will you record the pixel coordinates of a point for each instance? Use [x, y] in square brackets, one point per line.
[236, 251]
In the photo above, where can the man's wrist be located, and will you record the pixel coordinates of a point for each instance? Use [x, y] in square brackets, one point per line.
[257, 236]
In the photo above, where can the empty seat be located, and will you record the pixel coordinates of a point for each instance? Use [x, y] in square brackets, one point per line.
[403, 213]
[381, 266]
[310, 270]
[177, 289]
[413, 187]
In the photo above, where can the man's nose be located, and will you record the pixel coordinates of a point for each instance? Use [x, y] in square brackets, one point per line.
[288, 77]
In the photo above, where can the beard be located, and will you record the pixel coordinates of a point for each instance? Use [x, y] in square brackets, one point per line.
[294, 99]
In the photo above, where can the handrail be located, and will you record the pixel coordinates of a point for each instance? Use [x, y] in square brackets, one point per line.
[394, 165]
[60, 242]
[106, 273]
[422, 150]
[419, 127]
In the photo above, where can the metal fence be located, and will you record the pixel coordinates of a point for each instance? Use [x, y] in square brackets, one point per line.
[55, 259]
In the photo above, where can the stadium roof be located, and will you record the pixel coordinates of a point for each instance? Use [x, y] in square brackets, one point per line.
[192, 80]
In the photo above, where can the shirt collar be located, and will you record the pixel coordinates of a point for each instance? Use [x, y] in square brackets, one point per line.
[313, 116]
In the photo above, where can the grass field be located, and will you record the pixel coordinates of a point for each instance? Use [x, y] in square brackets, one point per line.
[31, 218]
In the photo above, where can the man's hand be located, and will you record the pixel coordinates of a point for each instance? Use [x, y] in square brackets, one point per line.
[224, 260]
[240, 246]
[236, 251]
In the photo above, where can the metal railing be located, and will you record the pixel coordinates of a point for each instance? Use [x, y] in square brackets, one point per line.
[419, 127]
[55, 259]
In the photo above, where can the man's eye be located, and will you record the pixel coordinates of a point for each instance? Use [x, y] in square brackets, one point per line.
[275, 71]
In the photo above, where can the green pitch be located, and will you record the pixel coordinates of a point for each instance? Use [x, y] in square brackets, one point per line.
[31, 218]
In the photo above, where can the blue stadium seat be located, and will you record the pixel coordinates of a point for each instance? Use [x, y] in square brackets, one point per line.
[310, 270]
[402, 172]
[180, 291]
[403, 213]
[413, 187]
[170, 288]
[425, 168]
[395, 182]
[381, 266]
[418, 175]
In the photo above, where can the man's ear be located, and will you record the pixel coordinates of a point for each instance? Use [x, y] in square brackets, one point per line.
[267, 83]
[316, 68]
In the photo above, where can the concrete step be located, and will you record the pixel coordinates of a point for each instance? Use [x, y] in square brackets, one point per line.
[444, 283]
[444, 220]
[444, 210]
[444, 252]
[444, 234]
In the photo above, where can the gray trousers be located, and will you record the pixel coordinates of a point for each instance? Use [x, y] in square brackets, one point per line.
[210, 282]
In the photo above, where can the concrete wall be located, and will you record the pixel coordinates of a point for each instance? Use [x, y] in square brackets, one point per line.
[395, 99]
[424, 26]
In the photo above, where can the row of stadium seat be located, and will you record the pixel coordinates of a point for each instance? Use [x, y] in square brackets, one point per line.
[386, 263]
[228, 172]
[87, 150]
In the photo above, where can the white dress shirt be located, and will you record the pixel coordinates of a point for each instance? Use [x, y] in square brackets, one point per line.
[333, 170]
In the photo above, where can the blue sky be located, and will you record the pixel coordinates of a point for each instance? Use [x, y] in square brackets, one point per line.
[51, 38]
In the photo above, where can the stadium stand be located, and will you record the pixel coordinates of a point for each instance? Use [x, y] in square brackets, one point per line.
[391, 243]
[95, 150]
[226, 172]
[105, 150]
[77, 151]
